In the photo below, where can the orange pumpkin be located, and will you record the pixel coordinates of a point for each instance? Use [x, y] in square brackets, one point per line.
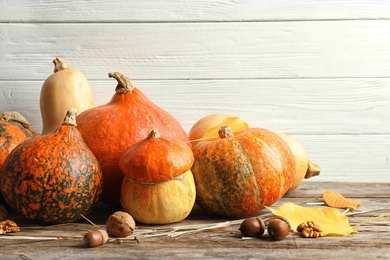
[14, 129]
[109, 129]
[158, 187]
[207, 128]
[241, 174]
[53, 178]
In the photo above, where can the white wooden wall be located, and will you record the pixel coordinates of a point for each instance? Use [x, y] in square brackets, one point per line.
[318, 70]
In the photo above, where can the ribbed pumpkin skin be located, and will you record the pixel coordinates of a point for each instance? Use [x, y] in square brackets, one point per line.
[241, 175]
[52, 179]
[109, 129]
[12, 134]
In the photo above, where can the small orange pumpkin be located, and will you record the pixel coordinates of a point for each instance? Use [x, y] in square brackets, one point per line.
[53, 178]
[14, 129]
[158, 187]
[241, 174]
[109, 129]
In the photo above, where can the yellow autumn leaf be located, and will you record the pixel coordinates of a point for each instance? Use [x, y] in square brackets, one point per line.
[336, 200]
[332, 222]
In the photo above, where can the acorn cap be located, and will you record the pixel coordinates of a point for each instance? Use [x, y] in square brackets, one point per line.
[156, 159]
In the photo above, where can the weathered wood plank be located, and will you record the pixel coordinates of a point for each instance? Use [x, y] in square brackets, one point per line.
[335, 49]
[371, 241]
[348, 189]
[190, 11]
[257, 251]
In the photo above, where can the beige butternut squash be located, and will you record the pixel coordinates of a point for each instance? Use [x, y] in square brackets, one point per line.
[64, 89]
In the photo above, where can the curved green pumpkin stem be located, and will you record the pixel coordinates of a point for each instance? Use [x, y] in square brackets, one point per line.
[60, 64]
[225, 132]
[13, 116]
[313, 169]
[70, 117]
[153, 134]
[124, 85]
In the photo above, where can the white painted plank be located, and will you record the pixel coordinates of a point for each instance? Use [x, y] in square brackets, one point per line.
[302, 106]
[343, 157]
[200, 50]
[355, 156]
[190, 10]
[349, 158]
[357, 148]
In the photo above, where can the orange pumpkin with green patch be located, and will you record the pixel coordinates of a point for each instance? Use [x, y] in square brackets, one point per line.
[238, 175]
[54, 178]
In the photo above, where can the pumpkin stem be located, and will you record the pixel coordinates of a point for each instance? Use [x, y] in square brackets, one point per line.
[60, 64]
[124, 85]
[153, 134]
[13, 116]
[225, 132]
[313, 169]
[70, 117]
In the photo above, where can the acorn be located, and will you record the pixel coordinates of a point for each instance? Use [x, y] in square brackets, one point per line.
[278, 228]
[252, 227]
[95, 238]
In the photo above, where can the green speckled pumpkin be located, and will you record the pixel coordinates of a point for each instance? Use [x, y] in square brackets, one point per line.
[240, 174]
[54, 178]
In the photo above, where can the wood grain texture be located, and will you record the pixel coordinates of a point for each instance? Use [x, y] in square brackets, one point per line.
[295, 106]
[371, 242]
[343, 124]
[190, 11]
[200, 50]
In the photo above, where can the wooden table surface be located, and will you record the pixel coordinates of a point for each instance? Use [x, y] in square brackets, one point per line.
[66, 241]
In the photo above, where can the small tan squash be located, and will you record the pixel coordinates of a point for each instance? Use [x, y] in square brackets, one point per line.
[64, 89]
[158, 187]
[305, 168]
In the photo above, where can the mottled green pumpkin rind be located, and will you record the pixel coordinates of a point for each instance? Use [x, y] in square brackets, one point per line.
[52, 180]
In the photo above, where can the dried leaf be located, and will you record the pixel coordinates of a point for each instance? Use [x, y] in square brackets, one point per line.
[330, 220]
[336, 200]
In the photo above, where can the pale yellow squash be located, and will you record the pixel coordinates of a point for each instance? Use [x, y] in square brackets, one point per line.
[159, 203]
[64, 89]
[207, 127]
[158, 187]
[305, 168]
